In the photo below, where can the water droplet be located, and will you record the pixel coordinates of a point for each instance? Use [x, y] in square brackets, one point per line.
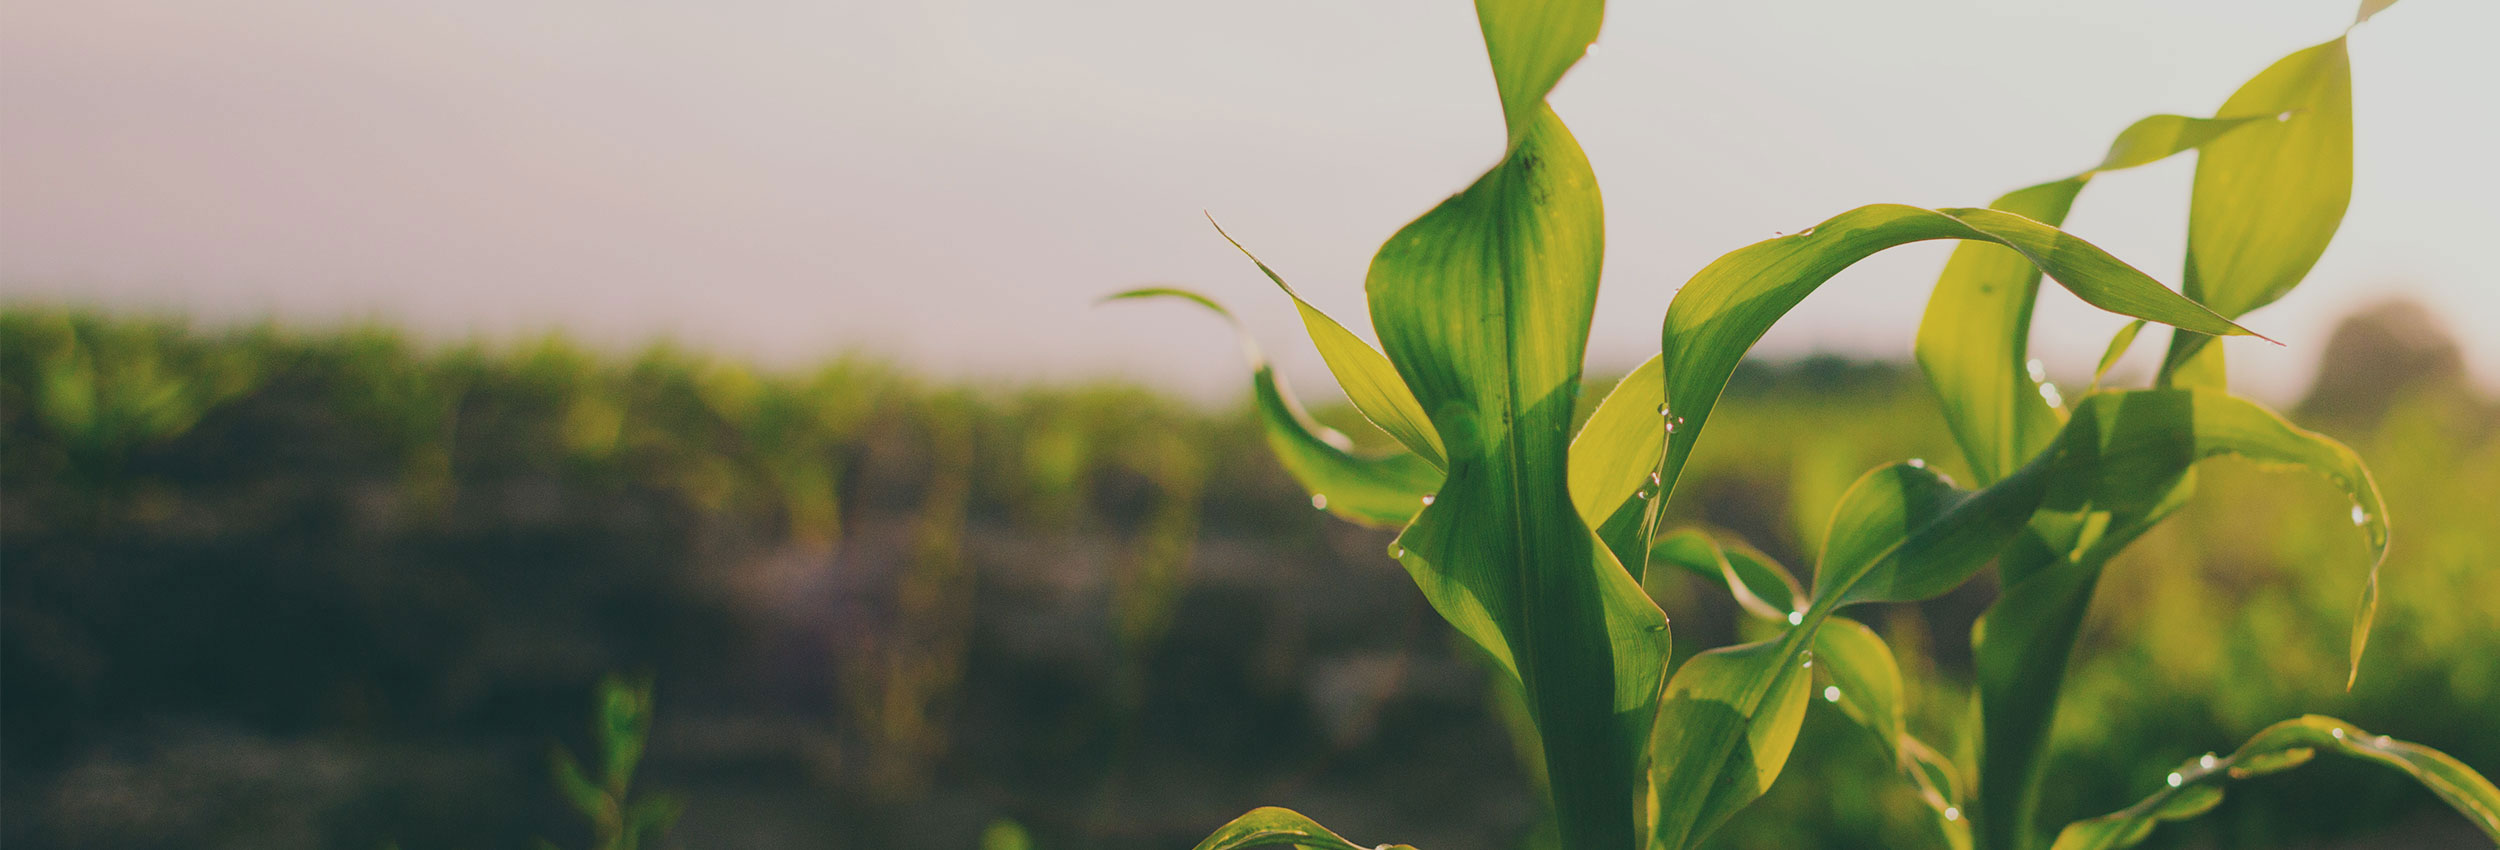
[2175, 779]
[2039, 371]
[1427, 498]
[1662, 408]
[1319, 501]
[1831, 693]
[1777, 234]
[2205, 761]
[1796, 617]
[1640, 494]
[1591, 50]
[2359, 516]
[2337, 732]
[1951, 813]
[1653, 478]
[2049, 393]
[2384, 741]
[1918, 463]
[2283, 116]
[1806, 232]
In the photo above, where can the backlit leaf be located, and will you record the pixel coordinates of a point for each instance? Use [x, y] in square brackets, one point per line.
[1484, 306]
[1376, 491]
[1275, 827]
[2193, 788]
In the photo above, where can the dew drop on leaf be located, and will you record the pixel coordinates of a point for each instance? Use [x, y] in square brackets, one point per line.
[1918, 463]
[1831, 693]
[2205, 761]
[2039, 371]
[1427, 498]
[1319, 501]
[2359, 516]
[1796, 617]
[2175, 779]
[1951, 813]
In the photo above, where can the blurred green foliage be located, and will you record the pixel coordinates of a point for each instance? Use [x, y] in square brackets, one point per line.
[346, 542]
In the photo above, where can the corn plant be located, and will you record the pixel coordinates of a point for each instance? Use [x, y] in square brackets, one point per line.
[620, 726]
[1533, 541]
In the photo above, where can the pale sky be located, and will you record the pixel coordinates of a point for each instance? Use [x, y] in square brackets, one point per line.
[952, 183]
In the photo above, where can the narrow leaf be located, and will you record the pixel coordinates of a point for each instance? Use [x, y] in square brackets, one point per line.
[1361, 370]
[1733, 301]
[1374, 491]
[2194, 789]
[1975, 337]
[1275, 827]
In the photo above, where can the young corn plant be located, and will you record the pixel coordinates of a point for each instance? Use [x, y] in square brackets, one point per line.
[1533, 541]
[620, 725]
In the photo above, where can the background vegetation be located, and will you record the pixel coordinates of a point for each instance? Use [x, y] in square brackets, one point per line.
[275, 589]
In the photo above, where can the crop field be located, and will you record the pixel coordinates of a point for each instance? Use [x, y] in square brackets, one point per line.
[282, 589]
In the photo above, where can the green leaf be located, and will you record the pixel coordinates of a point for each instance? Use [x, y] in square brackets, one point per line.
[2122, 464]
[1484, 306]
[1760, 585]
[1725, 729]
[2118, 345]
[1374, 491]
[1361, 370]
[1900, 533]
[1732, 302]
[2193, 788]
[2267, 199]
[1975, 336]
[1532, 43]
[1614, 463]
[1904, 533]
[1275, 827]
[1864, 682]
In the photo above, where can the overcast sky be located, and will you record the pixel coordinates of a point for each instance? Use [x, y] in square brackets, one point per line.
[951, 183]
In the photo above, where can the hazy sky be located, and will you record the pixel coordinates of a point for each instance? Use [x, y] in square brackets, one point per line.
[951, 183]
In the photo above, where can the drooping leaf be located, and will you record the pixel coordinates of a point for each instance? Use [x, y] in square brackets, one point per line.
[2268, 198]
[1761, 586]
[2194, 788]
[1900, 533]
[1974, 338]
[2124, 461]
[1732, 302]
[1361, 370]
[1865, 684]
[1484, 305]
[1375, 491]
[1275, 827]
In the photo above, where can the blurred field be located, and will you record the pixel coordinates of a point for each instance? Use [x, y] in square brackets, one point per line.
[272, 589]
